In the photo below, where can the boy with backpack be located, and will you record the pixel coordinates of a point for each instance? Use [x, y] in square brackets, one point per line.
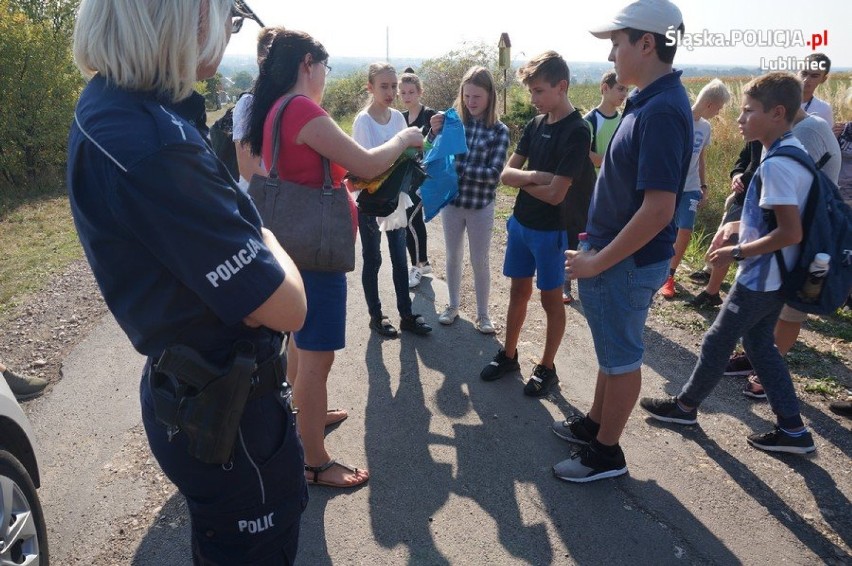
[770, 231]
[555, 148]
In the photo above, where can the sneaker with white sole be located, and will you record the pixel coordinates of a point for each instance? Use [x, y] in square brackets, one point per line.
[589, 465]
[425, 269]
[668, 410]
[573, 430]
[414, 276]
[449, 315]
[483, 324]
[779, 441]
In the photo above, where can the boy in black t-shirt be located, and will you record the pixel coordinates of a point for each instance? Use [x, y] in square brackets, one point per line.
[555, 148]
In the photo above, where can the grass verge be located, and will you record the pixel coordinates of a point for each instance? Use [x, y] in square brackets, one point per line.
[37, 241]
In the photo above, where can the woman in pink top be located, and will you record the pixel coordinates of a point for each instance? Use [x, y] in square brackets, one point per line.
[298, 64]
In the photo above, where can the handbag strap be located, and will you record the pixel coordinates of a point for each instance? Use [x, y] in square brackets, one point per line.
[276, 144]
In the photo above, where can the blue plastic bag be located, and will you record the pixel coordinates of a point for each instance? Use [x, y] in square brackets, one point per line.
[442, 183]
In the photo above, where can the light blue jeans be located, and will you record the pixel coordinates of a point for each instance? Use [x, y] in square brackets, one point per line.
[616, 306]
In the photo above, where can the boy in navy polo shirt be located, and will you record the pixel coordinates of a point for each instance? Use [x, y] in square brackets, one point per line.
[555, 148]
[631, 229]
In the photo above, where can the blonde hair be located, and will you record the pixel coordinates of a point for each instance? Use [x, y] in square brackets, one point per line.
[409, 77]
[714, 91]
[150, 45]
[481, 77]
[373, 71]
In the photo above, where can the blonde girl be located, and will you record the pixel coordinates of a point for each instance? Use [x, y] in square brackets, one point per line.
[473, 209]
[373, 126]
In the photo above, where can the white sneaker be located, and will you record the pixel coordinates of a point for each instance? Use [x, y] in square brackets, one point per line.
[449, 315]
[483, 324]
[425, 269]
[414, 276]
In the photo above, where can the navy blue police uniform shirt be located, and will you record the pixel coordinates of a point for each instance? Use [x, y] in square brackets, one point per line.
[650, 149]
[174, 245]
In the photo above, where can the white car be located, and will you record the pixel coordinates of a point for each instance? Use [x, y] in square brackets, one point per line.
[23, 533]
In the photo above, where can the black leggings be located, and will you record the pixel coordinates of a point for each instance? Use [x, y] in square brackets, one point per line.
[415, 235]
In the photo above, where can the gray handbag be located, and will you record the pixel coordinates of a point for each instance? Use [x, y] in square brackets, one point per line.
[313, 225]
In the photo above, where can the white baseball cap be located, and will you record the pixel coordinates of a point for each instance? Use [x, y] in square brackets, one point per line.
[656, 16]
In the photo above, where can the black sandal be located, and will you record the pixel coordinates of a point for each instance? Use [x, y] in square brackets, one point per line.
[317, 470]
[383, 326]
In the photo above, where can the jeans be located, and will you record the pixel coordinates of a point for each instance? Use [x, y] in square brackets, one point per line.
[371, 245]
[616, 304]
[751, 315]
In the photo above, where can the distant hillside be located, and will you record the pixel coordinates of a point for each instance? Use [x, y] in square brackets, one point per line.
[581, 72]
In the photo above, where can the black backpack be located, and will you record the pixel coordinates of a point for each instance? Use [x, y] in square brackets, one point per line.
[826, 228]
[222, 140]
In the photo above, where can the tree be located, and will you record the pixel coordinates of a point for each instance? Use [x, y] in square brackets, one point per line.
[40, 85]
[442, 76]
[243, 80]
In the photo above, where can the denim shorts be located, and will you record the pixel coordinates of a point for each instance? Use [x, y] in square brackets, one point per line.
[687, 209]
[535, 252]
[616, 305]
[325, 323]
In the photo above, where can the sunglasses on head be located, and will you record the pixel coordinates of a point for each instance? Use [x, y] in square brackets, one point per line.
[239, 12]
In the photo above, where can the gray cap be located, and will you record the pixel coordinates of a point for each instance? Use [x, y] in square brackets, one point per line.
[656, 16]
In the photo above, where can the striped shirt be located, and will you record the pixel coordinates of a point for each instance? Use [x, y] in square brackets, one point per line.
[479, 169]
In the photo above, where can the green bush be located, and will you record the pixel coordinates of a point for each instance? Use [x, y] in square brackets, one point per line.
[345, 96]
[442, 76]
[40, 85]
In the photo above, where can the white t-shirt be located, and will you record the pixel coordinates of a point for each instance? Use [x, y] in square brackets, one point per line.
[819, 107]
[700, 140]
[818, 139]
[785, 182]
[241, 125]
[369, 134]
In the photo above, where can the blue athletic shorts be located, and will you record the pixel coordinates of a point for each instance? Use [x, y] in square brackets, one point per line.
[687, 209]
[535, 252]
[325, 323]
[616, 305]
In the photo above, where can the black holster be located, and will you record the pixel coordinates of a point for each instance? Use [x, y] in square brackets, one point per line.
[202, 400]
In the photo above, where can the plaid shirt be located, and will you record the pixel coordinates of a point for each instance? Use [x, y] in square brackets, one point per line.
[479, 169]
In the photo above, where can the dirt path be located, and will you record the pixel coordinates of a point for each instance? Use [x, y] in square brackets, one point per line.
[130, 509]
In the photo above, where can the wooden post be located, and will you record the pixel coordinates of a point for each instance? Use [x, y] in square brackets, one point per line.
[504, 61]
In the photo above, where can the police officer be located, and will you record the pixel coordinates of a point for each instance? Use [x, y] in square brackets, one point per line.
[183, 263]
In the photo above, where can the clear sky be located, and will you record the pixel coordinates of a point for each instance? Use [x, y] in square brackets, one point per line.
[359, 28]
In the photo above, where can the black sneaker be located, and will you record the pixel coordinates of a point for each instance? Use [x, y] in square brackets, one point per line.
[668, 411]
[415, 323]
[779, 441]
[573, 430]
[700, 276]
[738, 364]
[705, 300]
[589, 465]
[500, 366]
[541, 381]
